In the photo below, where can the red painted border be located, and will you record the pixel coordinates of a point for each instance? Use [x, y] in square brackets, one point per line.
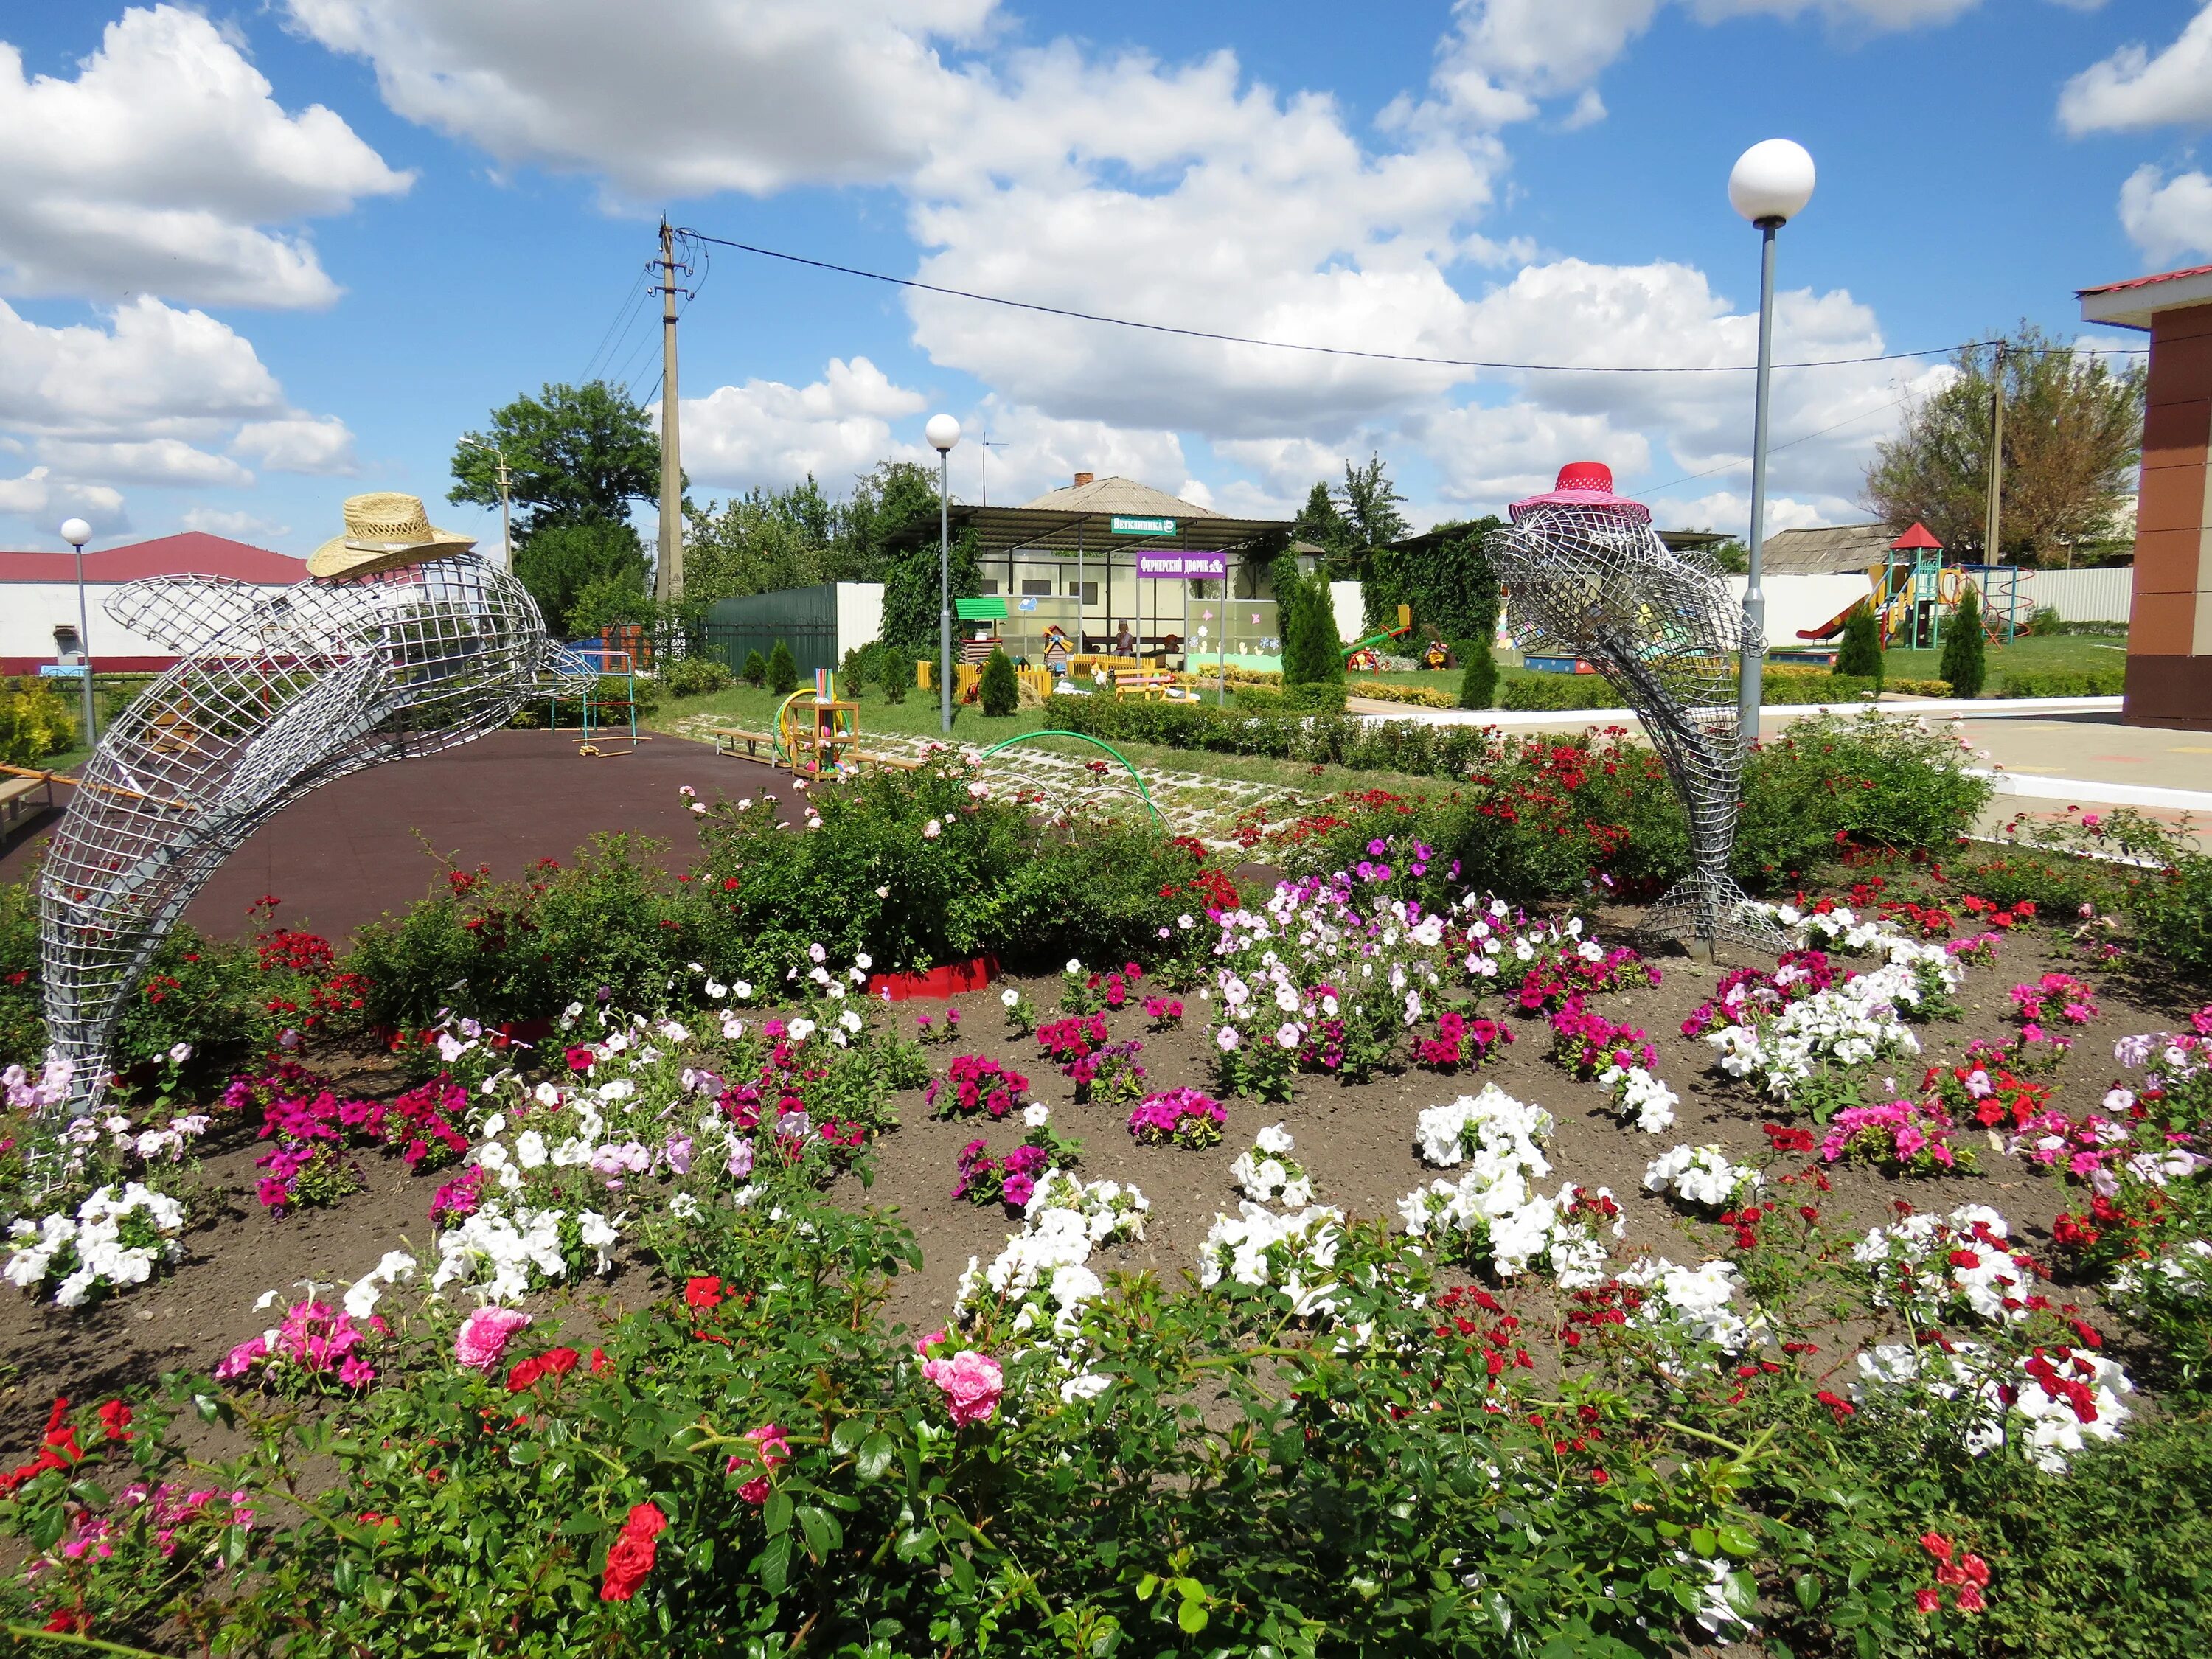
[939, 984]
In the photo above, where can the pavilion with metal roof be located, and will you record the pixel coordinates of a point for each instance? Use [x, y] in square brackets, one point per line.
[1068, 562]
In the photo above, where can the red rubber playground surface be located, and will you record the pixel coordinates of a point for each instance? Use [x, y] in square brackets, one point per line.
[372, 842]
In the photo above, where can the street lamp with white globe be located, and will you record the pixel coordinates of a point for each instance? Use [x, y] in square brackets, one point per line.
[76, 532]
[1770, 185]
[942, 432]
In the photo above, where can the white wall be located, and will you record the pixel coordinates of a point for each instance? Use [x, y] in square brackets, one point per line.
[1799, 602]
[30, 611]
[1351, 610]
[860, 613]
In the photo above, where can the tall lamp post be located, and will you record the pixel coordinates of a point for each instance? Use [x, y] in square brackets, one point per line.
[942, 432]
[1770, 185]
[76, 532]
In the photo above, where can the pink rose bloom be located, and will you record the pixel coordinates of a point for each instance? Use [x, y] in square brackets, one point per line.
[770, 1450]
[971, 1383]
[484, 1335]
[923, 1345]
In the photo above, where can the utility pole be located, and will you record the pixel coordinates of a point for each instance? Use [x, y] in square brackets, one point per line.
[668, 577]
[505, 525]
[1989, 554]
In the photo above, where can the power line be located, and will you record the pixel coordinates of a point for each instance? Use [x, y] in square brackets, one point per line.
[1328, 351]
[1729, 466]
[623, 316]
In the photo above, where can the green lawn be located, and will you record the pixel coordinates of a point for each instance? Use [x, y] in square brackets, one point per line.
[741, 706]
[2066, 653]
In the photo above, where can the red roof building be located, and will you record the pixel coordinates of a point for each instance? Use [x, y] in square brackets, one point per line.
[38, 600]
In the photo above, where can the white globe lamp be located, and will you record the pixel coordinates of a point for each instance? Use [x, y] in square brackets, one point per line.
[76, 531]
[942, 432]
[1772, 180]
[1770, 185]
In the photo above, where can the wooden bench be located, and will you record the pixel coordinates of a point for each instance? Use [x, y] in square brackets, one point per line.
[901, 763]
[727, 738]
[22, 799]
[1144, 684]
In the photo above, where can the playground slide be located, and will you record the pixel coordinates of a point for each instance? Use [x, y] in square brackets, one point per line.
[1833, 626]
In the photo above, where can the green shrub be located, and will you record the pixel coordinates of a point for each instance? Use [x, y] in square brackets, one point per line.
[1001, 692]
[1311, 651]
[1304, 699]
[783, 671]
[1786, 691]
[1477, 681]
[1860, 656]
[695, 677]
[857, 668]
[1559, 691]
[755, 673]
[1963, 663]
[2044, 621]
[869, 880]
[2059, 683]
[37, 719]
[896, 672]
[1863, 779]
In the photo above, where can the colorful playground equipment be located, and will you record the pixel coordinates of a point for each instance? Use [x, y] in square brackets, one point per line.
[593, 665]
[1914, 590]
[1363, 655]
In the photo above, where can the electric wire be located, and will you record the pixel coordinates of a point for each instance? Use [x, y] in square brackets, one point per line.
[1323, 350]
[623, 314]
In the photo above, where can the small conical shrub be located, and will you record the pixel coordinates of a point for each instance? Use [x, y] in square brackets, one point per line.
[1478, 683]
[1860, 653]
[1963, 664]
[1002, 692]
[896, 671]
[783, 671]
[755, 673]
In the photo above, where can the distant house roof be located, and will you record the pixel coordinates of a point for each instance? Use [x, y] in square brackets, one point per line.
[192, 552]
[2132, 303]
[1117, 495]
[1833, 550]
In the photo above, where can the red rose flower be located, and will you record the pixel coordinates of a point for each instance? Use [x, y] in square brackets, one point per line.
[631, 1555]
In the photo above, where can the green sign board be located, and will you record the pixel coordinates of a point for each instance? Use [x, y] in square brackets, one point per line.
[1144, 526]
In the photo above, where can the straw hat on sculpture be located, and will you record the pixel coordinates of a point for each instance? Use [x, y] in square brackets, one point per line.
[384, 531]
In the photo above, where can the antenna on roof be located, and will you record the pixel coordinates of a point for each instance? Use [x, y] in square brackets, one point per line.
[987, 448]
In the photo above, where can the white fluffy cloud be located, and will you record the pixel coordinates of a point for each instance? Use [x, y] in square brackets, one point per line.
[1501, 58]
[2167, 218]
[2135, 88]
[1032, 452]
[40, 499]
[161, 167]
[698, 96]
[237, 525]
[297, 443]
[767, 433]
[153, 397]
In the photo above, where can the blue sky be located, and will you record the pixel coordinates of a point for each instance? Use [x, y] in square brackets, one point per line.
[255, 259]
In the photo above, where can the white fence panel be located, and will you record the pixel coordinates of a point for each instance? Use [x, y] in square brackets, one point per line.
[2081, 595]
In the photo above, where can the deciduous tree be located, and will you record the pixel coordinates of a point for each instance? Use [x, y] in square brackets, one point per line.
[2073, 438]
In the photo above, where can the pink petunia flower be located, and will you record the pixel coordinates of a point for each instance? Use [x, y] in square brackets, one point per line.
[484, 1334]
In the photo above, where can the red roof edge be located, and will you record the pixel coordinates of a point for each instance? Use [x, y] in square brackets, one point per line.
[2142, 282]
[1917, 540]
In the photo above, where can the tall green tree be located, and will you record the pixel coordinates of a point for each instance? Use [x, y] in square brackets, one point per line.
[758, 542]
[1963, 663]
[563, 561]
[1321, 526]
[2073, 439]
[577, 459]
[885, 503]
[1369, 502]
[1306, 620]
[573, 453]
[1860, 652]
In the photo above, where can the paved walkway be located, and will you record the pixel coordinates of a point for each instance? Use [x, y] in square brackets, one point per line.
[371, 843]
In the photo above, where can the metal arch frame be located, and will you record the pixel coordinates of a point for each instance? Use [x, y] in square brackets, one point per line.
[274, 694]
[1135, 777]
[1661, 627]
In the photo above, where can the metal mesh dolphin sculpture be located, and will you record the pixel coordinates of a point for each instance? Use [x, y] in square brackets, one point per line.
[1586, 574]
[410, 645]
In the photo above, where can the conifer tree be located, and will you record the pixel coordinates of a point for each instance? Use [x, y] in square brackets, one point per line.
[783, 671]
[1001, 691]
[1963, 664]
[1478, 684]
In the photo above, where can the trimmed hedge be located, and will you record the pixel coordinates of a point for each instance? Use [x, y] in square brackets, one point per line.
[2053, 682]
[1777, 688]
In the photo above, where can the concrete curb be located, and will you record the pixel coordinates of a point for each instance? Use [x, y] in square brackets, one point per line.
[2090, 793]
[1562, 719]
